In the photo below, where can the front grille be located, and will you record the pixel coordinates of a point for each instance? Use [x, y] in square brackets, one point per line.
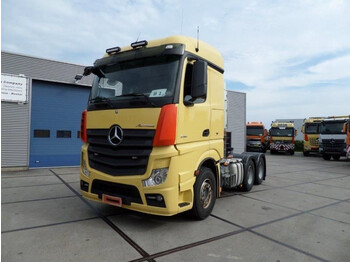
[130, 157]
[314, 142]
[126, 192]
[333, 144]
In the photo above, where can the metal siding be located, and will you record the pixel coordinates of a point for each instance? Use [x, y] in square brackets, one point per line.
[56, 107]
[43, 69]
[15, 126]
[236, 118]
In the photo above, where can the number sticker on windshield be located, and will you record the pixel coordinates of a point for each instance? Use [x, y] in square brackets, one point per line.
[158, 93]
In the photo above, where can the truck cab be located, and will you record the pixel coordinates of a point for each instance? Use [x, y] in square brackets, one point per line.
[282, 137]
[311, 131]
[256, 137]
[332, 137]
[153, 130]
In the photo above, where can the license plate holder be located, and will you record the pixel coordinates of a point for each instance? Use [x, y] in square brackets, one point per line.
[112, 200]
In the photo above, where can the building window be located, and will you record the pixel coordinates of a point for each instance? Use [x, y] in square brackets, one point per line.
[40, 133]
[64, 134]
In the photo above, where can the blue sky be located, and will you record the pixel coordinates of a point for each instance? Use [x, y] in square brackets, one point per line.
[291, 58]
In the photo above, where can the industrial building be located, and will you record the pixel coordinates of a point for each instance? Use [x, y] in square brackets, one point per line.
[41, 107]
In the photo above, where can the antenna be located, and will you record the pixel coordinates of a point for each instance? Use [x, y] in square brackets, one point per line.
[182, 18]
[197, 48]
[138, 37]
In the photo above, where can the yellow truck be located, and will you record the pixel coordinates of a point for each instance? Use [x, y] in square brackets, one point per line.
[311, 131]
[153, 130]
[256, 137]
[282, 137]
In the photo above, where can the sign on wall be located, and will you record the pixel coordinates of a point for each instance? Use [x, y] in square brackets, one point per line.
[14, 88]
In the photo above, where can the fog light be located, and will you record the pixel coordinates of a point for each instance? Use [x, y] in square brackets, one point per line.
[157, 177]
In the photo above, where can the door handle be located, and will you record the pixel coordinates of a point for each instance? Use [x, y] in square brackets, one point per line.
[206, 132]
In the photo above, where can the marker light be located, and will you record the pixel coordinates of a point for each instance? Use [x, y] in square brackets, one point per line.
[157, 177]
[113, 50]
[166, 127]
[139, 43]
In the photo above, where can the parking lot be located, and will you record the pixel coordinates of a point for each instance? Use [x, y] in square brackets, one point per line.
[300, 213]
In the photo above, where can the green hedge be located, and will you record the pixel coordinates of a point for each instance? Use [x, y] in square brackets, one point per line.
[299, 145]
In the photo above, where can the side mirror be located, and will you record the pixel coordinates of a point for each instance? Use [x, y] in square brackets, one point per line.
[88, 70]
[265, 132]
[295, 132]
[199, 79]
[345, 127]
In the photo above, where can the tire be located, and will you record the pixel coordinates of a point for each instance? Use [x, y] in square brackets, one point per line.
[272, 152]
[326, 157]
[204, 194]
[292, 152]
[336, 157]
[306, 153]
[260, 172]
[248, 180]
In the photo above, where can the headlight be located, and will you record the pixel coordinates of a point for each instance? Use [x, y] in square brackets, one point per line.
[84, 167]
[157, 177]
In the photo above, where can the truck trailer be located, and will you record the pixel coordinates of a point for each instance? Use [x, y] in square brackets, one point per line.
[282, 137]
[311, 131]
[153, 130]
[256, 137]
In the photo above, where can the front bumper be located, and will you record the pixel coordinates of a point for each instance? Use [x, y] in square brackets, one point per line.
[164, 199]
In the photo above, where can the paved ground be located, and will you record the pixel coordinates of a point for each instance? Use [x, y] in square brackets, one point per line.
[300, 213]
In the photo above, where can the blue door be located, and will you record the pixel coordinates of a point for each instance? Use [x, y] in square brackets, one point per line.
[55, 123]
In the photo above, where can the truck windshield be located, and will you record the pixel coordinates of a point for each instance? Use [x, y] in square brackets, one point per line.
[146, 82]
[332, 127]
[282, 132]
[312, 128]
[255, 131]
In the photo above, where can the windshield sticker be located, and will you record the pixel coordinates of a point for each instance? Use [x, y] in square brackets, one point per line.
[158, 93]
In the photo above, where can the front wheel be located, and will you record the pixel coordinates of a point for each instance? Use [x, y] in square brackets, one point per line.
[204, 194]
[326, 157]
[336, 157]
[306, 153]
[249, 175]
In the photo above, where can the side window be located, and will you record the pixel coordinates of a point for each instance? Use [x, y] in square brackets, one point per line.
[188, 87]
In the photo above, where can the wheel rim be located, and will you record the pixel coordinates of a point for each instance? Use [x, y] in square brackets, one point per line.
[206, 193]
[250, 174]
[261, 170]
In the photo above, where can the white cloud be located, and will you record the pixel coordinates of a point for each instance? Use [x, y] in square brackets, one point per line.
[262, 42]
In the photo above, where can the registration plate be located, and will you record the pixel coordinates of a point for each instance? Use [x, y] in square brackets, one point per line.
[112, 200]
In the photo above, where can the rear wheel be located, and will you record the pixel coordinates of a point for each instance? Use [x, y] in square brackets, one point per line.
[292, 152]
[204, 194]
[260, 174]
[306, 153]
[326, 157]
[249, 175]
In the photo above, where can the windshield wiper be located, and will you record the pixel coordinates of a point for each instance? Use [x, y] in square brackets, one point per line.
[139, 95]
[101, 100]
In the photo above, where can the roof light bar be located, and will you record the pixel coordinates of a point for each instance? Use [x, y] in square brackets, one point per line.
[113, 50]
[139, 43]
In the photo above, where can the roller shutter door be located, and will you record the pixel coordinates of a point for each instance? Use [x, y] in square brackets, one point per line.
[55, 123]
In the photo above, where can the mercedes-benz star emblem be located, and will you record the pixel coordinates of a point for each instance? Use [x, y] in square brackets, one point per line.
[115, 135]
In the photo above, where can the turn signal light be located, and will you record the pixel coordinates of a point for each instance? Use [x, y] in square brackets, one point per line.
[166, 127]
[83, 134]
[306, 138]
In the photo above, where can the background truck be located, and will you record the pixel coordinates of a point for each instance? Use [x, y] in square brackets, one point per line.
[346, 130]
[282, 137]
[332, 137]
[256, 137]
[311, 131]
[153, 130]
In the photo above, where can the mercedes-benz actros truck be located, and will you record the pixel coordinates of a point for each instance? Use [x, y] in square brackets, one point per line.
[153, 130]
